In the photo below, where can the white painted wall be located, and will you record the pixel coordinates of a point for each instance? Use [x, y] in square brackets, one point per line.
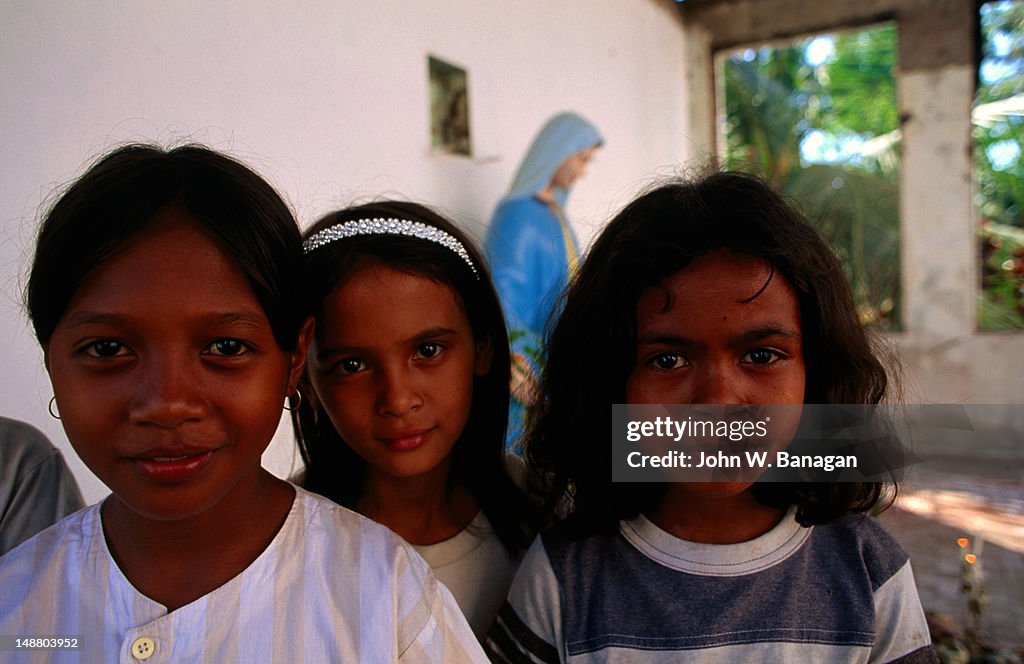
[328, 100]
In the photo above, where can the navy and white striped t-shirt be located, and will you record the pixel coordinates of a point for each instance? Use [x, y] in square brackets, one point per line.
[842, 592]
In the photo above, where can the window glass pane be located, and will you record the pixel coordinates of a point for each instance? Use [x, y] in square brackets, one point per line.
[999, 167]
[818, 117]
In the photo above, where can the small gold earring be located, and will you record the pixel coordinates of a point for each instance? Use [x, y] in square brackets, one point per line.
[298, 401]
[53, 404]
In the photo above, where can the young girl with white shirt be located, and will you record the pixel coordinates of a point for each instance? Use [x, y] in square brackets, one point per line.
[167, 293]
[409, 367]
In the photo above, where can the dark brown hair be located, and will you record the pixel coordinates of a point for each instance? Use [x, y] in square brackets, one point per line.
[114, 202]
[592, 348]
[333, 469]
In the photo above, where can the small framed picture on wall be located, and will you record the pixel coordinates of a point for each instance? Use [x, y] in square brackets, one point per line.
[449, 108]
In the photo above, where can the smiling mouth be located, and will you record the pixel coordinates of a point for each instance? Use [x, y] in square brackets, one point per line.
[406, 441]
[171, 454]
[166, 469]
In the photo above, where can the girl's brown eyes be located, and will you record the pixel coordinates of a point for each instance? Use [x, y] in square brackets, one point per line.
[106, 348]
[762, 356]
[428, 350]
[227, 347]
[667, 361]
[350, 365]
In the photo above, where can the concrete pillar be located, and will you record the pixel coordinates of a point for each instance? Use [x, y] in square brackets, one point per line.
[936, 88]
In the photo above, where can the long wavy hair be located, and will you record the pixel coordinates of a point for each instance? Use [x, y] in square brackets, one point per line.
[591, 350]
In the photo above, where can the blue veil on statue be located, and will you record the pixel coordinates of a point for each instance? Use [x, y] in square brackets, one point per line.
[532, 250]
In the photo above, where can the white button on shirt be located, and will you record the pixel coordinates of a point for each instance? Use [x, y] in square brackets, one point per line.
[143, 648]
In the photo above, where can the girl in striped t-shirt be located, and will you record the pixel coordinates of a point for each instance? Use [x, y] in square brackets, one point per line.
[702, 293]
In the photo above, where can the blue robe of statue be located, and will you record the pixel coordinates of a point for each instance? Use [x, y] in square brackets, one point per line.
[531, 248]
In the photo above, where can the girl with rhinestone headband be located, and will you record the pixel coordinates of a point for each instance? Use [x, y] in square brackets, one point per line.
[409, 371]
[167, 293]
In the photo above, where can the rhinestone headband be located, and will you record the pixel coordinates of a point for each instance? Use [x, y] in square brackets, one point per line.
[389, 226]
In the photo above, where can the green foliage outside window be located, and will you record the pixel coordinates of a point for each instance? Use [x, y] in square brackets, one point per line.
[999, 166]
[819, 119]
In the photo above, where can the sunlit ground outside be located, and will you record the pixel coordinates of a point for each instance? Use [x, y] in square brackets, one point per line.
[964, 531]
